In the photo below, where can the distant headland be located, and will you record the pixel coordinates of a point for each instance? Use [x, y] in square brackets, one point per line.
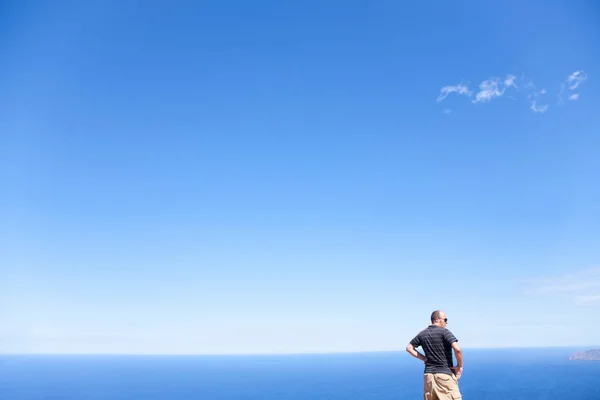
[593, 354]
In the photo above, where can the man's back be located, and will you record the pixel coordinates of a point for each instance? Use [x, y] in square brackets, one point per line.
[437, 345]
[440, 378]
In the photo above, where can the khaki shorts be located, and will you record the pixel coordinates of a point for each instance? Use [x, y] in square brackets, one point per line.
[441, 387]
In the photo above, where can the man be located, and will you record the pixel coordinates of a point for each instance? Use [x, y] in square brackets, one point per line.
[441, 377]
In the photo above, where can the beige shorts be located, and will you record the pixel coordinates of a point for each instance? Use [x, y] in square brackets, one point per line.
[441, 387]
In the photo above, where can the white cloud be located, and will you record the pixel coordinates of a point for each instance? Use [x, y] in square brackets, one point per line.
[491, 88]
[488, 90]
[573, 82]
[459, 89]
[569, 287]
[538, 109]
[533, 96]
[591, 300]
[532, 89]
[495, 87]
[582, 288]
[560, 95]
[447, 111]
[510, 81]
[576, 79]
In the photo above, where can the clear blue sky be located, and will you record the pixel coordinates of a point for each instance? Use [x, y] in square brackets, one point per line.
[268, 176]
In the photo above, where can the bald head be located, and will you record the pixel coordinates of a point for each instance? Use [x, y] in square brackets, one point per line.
[438, 317]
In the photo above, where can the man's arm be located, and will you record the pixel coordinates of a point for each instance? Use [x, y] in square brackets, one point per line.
[459, 360]
[413, 352]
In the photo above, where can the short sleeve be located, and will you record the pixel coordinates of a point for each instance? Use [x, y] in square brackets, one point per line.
[449, 337]
[416, 342]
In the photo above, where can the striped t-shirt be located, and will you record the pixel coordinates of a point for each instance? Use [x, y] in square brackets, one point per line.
[437, 345]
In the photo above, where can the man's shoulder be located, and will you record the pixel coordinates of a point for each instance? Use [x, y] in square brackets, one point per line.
[450, 336]
[434, 329]
[438, 331]
[425, 332]
[427, 329]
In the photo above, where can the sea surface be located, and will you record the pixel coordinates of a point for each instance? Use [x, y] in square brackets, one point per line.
[488, 374]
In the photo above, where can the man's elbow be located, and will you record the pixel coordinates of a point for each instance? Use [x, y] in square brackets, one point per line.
[409, 348]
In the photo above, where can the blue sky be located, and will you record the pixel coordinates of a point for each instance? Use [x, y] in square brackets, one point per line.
[266, 177]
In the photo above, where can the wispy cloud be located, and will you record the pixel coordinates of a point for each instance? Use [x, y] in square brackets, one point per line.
[460, 89]
[495, 87]
[584, 301]
[538, 109]
[492, 88]
[582, 288]
[447, 111]
[561, 95]
[488, 90]
[576, 79]
[569, 287]
[572, 82]
[509, 81]
[533, 96]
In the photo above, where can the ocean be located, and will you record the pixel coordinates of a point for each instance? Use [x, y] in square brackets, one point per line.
[488, 374]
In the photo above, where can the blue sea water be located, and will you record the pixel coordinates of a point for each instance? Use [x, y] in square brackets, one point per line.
[488, 374]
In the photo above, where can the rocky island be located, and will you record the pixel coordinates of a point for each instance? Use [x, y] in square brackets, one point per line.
[593, 354]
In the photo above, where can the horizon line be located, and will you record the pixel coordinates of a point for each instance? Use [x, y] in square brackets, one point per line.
[291, 353]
